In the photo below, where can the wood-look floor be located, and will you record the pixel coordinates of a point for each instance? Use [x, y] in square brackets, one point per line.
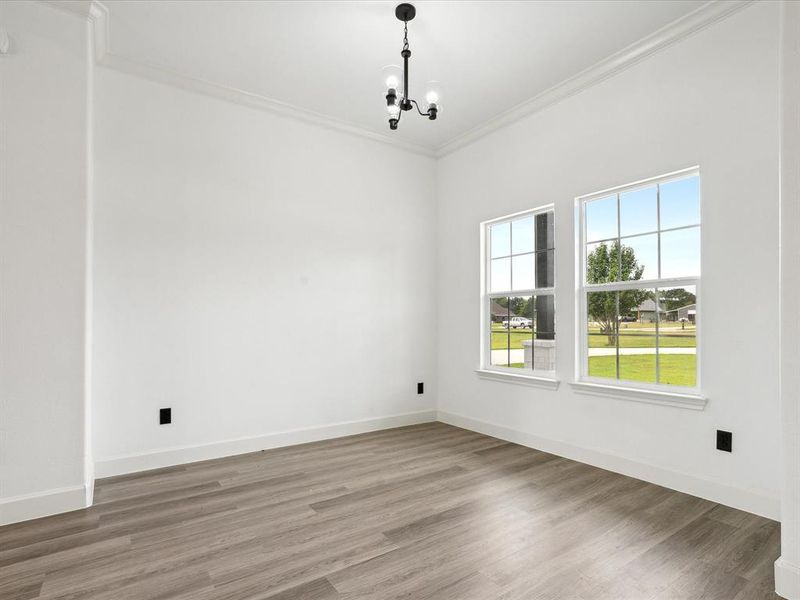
[423, 512]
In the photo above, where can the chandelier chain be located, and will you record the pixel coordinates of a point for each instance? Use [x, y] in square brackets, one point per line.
[399, 101]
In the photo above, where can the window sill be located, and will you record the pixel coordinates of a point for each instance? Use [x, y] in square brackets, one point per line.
[690, 401]
[531, 380]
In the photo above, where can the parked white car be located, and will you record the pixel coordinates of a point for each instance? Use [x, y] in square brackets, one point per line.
[517, 322]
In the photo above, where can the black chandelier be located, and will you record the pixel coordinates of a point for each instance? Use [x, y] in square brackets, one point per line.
[397, 100]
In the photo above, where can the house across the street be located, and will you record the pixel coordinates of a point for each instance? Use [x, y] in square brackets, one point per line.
[683, 313]
[646, 312]
[501, 313]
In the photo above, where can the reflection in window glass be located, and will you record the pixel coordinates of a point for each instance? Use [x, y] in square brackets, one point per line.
[638, 211]
[601, 219]
[680, 202]
[500, 236]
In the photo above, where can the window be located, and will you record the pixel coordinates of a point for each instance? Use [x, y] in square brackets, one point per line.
[518, 303]
[640, 265]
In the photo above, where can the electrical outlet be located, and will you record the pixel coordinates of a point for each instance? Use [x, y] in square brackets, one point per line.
[164, 416]
[724, 441]
[420, 388]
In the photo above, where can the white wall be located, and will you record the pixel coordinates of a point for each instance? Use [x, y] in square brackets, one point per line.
[787, 568]
[255, 273]
[275, 282]
[44, 198]
[710, 100]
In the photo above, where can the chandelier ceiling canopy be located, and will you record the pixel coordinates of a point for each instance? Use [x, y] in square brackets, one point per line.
[398, 99]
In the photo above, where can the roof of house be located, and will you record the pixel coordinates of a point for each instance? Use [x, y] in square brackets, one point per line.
[501, 311]
[647, 306]
[688, 306]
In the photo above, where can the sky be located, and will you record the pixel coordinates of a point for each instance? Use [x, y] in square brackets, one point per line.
[638, 227]
[638, 214]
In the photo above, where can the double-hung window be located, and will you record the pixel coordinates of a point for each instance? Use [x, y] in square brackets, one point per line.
[518, 294]
[639, 282]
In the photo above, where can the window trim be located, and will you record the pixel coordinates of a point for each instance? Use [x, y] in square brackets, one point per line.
[486, 370]
[660, 393]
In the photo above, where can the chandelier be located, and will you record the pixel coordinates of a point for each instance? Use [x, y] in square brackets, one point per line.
[397, 100]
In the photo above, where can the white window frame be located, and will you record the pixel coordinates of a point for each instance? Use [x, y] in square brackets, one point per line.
[486, 370]
[688, 397]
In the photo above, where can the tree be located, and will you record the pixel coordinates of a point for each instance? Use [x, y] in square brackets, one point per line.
[606, 264]
[518, 306]
[677, 298]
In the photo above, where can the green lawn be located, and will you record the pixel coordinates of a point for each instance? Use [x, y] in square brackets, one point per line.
[676, 369]
[675, 337]
[665, 340]
[500, 339]
[663, 325]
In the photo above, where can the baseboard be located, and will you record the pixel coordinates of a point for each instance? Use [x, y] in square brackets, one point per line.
[787, 580]
[42, 504]
[747, 500]
[168, 457]
[89, 487]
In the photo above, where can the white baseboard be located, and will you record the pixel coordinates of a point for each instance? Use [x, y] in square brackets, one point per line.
[787, 580]
[42, 504]
[89, 487]
[168, 457]
[747, 500]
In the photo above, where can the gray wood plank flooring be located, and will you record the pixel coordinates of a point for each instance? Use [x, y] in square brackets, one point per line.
[423, 512]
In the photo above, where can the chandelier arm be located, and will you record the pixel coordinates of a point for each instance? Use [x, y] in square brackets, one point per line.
[424, 114]
[406, 12]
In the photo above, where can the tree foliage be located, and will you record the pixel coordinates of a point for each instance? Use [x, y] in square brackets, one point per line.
[677, 298]
[607, 264]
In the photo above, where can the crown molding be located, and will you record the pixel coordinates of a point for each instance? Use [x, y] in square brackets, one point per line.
[97, 14]
[700, 18]
[251, 100]
[78, 8]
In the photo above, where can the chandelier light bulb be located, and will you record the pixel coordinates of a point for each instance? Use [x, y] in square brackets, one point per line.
[392, 78]
[433, 96]
[397, 94]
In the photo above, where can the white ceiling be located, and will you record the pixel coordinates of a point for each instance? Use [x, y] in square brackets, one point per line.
[327, 56]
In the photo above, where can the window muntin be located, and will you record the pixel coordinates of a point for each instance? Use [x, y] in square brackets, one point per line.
[518, 303]
[640, 277]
